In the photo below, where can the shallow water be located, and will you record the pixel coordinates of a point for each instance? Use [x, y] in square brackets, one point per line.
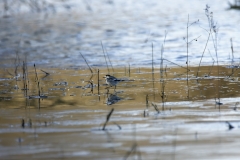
[126, 29]
[69, 123]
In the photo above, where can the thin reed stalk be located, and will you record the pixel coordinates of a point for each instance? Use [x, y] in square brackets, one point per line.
[147, 105]
[232, 63]
[153, 73]
[25, 84]
[129, 70]
[163, 95]
[38, 86]
[161, 73]
[174, 63]
[214, 35]
[109, 60]
[36, 76]
[187, 45]
[210, 30]
[86, 62]
[145, 112]
[105, 57]
[98, 86]
[39, 94]
[232, 51]
[210, 69]
[187, 58]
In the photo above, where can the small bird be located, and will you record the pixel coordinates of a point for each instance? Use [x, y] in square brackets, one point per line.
[111, 80]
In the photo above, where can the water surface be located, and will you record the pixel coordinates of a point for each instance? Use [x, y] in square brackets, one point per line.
[67, 122]
[127, 31]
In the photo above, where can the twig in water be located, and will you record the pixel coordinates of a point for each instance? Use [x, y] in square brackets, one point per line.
[108, 118]
[230, 127]
[118, 126]
[156, 108]
[45, 72]
[218, 103]
[91, 85]
[145, 112]
[147, 101]
[36, 76]
[23, 123]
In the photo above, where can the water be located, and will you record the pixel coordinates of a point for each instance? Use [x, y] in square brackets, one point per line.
[69, 123]
[126, 29]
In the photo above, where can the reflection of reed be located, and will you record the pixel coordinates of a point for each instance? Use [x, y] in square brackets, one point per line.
[107, 118]
[153, 79]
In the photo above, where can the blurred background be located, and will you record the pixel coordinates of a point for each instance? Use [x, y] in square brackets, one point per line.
[52, 33]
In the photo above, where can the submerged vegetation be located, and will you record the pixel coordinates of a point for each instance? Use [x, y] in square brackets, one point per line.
[71, 111]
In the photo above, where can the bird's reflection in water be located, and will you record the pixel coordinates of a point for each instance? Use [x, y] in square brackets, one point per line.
[112, 99]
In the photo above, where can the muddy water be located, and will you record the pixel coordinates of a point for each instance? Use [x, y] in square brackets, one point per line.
[69, 123]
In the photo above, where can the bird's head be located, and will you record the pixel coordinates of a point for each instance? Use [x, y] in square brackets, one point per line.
[107, 76]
